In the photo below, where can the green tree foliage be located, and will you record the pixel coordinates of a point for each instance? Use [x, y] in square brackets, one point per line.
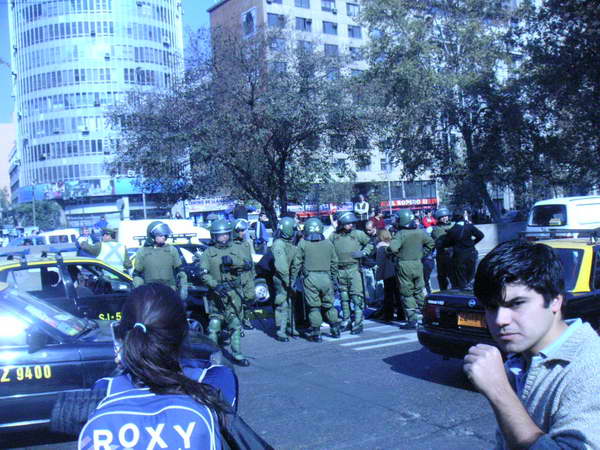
[257, 118]
[560, 90]
[443, 102]
[47, 214]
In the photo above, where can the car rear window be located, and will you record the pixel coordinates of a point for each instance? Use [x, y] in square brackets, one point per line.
[549, 216]
[571, 261]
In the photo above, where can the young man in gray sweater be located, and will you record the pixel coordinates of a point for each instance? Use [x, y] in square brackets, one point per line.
[547, 394]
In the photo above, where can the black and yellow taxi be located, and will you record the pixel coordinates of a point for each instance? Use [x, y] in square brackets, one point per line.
[45, 350]
[82, 286]
[454, 320]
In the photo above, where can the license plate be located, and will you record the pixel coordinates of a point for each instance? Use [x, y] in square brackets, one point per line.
[471, 320]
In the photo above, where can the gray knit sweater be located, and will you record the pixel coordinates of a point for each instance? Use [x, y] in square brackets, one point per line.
[562, 394]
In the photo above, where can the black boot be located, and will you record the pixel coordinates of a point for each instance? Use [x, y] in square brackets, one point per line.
[241, 362]
[345, 325]
[282, 338]
[335, 330]
[314, 335]
[357, 330]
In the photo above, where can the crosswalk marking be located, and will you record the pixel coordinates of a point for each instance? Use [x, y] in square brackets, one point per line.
[368, 341]
[386, 344]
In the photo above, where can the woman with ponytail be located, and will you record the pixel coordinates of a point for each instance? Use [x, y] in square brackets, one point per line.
[161, 400]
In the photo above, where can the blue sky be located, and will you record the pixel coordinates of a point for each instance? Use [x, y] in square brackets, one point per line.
[195, 16]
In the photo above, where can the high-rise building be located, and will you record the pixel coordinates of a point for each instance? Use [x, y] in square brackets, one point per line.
[72, 60]
[331, 27]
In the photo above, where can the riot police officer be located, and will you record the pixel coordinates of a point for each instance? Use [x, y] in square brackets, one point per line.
[317, 261]
[220, 268]
[108, 250]
[284, 252]
[407, 248]
[159, 262]
[351, 246]
[240, 228]
[443, 257]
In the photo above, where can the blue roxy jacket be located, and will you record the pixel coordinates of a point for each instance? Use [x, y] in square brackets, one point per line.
[133, 417]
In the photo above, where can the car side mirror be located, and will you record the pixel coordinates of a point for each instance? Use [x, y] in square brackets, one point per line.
[36, 339]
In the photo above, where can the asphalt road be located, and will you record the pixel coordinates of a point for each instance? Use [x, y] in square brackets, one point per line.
[380, 390]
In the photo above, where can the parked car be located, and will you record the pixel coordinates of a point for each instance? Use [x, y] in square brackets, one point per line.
[85, 287]
[454, 320]
[45, 350]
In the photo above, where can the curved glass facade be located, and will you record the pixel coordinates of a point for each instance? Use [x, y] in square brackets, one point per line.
[71, 60]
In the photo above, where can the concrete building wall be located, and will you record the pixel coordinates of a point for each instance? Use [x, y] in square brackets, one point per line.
[8, 134]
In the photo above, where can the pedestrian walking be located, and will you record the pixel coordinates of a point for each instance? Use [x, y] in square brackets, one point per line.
[316, 261]
[351, 246]
[408, 248]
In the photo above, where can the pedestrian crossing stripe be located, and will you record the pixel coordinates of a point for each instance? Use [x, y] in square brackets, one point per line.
[368, 341]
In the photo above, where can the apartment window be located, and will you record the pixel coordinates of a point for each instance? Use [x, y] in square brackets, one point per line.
[385, 165]
[279, 66]
[302, 3]
[352, 9]
[362, 142]
[327, 5]
[303, 24]
[354, 31]
[331, 50]
[249, 22]
[329, 27]
[306, 46]
[275, 20]
[364, 165]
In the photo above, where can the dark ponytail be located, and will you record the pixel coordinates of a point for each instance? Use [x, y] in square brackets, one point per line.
[154, 327]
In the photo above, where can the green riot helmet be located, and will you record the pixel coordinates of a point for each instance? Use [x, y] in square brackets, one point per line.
[404, 218]
[240, 225]
[220, 227]
[158, 228]
[286, 227]
[313, 225]
[347, 217]
[441, 212]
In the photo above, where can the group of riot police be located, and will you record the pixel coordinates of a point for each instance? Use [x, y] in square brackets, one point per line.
[305, 266]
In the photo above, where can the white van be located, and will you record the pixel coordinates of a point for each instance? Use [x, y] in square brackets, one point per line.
[63, 236]
[582, 213]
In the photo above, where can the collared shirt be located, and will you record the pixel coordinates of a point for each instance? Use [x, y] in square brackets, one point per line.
[517, 364]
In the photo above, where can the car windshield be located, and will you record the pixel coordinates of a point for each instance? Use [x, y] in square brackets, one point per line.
[549, 216]
[56, 318]
[571, 261]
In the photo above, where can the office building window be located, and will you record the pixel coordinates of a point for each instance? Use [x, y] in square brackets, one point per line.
[328, 5]
[364, 165]
[329, 27]
[275, 20]
[303, 24]
[352, 9]
[331, 50]
[302, 3]
[354, 31]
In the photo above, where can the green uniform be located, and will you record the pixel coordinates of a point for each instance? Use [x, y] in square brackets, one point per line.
[443, 257]
[408, 247]
[247, 277]
[283, 258]
[225, 307]
[158, 264]
[350, 280]
[317, 262]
